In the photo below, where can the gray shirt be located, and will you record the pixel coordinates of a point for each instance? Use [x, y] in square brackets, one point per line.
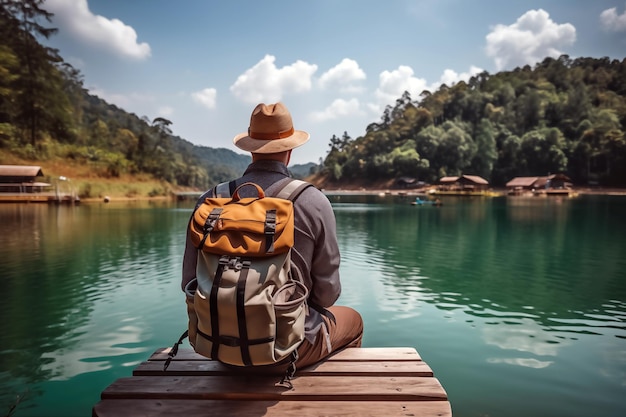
[315, 251]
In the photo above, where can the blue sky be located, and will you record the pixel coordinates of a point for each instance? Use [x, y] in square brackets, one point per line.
[205, 64]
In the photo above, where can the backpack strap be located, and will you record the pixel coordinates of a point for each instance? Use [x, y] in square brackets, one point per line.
[287, 188]
[292, 189]
[225, 189]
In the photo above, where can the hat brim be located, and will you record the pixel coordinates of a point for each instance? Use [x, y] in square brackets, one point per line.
[245, 142]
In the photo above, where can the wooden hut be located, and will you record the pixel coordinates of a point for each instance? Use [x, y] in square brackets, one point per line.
[524, 185]
[464, 183]
[555, 183]
[21, 179]
[22, 183]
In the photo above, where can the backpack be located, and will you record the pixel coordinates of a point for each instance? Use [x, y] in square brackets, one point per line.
[247, 304]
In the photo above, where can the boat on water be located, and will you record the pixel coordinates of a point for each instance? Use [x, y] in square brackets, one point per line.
[467, 193]
[425, 202]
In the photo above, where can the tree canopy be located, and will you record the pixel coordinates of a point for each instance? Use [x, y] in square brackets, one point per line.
[563, 115]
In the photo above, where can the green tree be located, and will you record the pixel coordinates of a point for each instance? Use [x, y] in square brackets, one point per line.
[8, 68]
[455, 151]
[486, 151]
[542, 153]
[528, 111]
[508, 164]
[72, 86]
[36, 86]
[407, 162]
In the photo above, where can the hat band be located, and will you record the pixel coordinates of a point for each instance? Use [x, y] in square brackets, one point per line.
[271, 135]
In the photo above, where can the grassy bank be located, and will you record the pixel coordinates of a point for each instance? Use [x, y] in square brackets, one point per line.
[84, 180]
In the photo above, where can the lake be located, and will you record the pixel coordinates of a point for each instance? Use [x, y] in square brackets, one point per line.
[517, 304]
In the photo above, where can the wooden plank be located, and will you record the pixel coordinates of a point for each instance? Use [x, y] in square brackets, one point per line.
[354, 382]
[327, 368]
[336, 388]
[180, 367]
[158, 408]
[182, 355]
[350, 354]
[373, 368]
[168, 408]
[377, 354]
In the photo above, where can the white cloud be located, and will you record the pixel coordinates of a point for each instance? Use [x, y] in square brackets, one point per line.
[612, 21]
[109, 34]
[206, 97]
[531, 39]
[264, 82]
[392, 84]
[338, 108]
[450, 77]
[343, 76]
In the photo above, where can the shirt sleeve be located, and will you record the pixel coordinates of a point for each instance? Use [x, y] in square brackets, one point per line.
[326, 284]
[190, 258]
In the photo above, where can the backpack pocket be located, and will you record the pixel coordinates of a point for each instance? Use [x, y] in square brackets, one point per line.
[190, 292]
[290, 309]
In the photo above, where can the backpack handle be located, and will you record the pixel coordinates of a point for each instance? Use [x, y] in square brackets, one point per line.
[259, 190]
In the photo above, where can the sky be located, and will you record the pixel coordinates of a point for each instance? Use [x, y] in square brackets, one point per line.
[204, 64]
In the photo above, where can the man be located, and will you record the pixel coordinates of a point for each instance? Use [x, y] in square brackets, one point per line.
[270, 139]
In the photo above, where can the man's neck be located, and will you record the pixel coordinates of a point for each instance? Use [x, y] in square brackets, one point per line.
[280, 157]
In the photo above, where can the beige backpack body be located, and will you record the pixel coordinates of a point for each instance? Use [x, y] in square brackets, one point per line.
[247, 304]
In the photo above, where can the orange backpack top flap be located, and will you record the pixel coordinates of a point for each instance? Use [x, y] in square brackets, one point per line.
[251, 226]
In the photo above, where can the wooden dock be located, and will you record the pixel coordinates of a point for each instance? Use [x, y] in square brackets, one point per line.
[42, 197]
[355, 382]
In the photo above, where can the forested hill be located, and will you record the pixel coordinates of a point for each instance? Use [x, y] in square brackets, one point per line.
[562, 115]
[46, 113]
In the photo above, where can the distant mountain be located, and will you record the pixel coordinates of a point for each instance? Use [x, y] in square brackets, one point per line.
[221, 156]
[302, 171]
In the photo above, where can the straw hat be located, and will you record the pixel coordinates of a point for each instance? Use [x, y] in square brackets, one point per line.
[271, 131]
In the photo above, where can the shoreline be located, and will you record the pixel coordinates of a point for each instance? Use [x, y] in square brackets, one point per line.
[499, 192]
[362, 191]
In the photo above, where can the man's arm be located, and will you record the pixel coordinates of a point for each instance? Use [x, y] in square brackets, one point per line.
[326, 256]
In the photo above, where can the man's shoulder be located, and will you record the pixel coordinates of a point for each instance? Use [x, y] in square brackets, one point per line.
[313, 196]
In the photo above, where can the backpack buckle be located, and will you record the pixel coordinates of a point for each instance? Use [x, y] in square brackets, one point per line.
[234, 263]
[211, 220]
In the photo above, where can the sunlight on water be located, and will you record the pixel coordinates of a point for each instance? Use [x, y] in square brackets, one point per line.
[93, 355]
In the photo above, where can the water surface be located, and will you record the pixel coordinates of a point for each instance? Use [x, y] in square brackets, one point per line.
[518, 305]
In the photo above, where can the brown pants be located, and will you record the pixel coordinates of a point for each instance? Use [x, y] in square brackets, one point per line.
[346, 332]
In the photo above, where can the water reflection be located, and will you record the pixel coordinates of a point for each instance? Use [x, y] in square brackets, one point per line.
[488, 290]
[537, 273]
[71, 276]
